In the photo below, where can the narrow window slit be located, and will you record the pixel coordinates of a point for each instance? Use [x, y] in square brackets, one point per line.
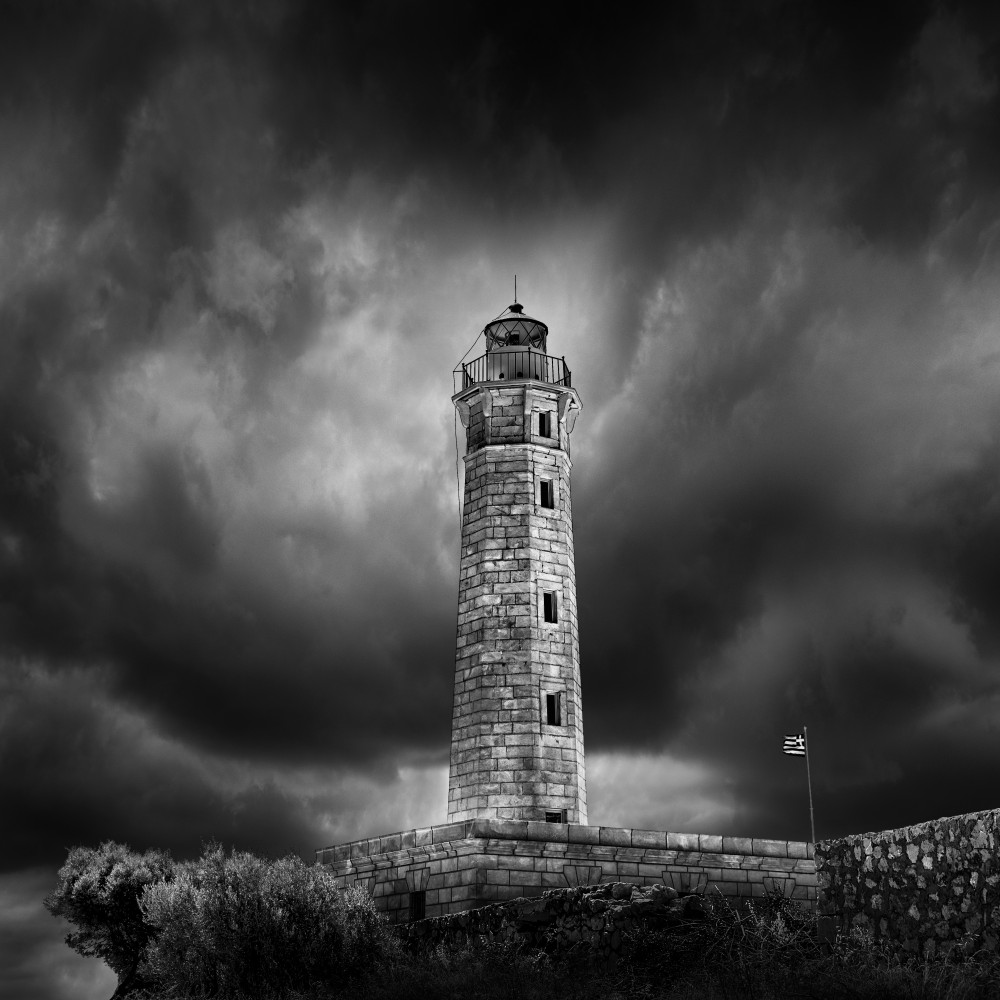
[549, 611]
[553, 709]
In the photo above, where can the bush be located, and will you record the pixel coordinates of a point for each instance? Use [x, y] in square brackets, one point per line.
[239, 926]
[99, 891]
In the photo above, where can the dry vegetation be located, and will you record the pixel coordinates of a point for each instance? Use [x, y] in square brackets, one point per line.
[770, 952]
[237, 927]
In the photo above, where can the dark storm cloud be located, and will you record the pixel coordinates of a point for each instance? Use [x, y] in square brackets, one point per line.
[79, 764]
[104, 767]
[243, 246]
[140, 586]
[159, 289]
[808, 467]
[34, 959]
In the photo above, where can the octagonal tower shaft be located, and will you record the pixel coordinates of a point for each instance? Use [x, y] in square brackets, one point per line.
[517, 725]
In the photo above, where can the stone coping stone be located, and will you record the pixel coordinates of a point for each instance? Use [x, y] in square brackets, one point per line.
[567, 833]
[919, 831]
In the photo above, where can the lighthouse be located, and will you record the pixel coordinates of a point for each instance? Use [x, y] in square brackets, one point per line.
[517, 720]
[517, 793]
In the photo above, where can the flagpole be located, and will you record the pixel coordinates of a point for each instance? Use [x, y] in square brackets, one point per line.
[812, 821]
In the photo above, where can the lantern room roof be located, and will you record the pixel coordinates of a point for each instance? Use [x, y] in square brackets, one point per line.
[512, 328]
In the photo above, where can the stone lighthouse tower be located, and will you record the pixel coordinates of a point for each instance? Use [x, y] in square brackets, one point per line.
[517, 723]
[517, 794]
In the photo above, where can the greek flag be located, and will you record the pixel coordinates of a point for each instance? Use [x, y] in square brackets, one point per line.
[795, 746]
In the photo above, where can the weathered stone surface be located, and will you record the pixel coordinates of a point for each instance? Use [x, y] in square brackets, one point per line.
[929, 888]
[516, 549]
[480, 861]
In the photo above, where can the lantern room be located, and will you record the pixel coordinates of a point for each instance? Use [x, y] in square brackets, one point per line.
[515, 351]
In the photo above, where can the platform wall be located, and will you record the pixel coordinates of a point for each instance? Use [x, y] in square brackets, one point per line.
[461, 866]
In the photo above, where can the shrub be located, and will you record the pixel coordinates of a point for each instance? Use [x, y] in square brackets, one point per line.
[240, 926]
[99, 891]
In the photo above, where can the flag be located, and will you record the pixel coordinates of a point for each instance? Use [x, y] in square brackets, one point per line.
[795, 746]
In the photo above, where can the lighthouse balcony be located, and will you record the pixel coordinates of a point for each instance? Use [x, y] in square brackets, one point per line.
[507, 364]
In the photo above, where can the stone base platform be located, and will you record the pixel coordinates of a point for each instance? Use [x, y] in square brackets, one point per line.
[461, 866]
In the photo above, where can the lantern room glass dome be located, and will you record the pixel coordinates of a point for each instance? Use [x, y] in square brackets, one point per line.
[513, 329]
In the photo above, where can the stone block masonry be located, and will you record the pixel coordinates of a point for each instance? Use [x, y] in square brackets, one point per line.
[517, 720]
[929, 888]
[461, 866]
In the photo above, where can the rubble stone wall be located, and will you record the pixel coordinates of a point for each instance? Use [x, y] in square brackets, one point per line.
[929, 887]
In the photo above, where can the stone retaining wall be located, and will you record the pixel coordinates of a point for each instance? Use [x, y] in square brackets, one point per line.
[929, 887]
[460, 866]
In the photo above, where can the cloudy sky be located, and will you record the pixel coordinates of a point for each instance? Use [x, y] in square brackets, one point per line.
[242, 247]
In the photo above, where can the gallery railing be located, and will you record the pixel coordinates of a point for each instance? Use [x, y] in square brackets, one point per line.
[504, 364]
